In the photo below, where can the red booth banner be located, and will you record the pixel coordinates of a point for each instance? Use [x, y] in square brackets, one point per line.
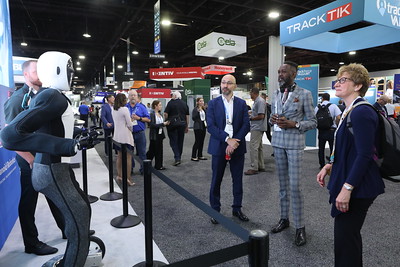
[154, 93]
[218, 69]
[180, 74]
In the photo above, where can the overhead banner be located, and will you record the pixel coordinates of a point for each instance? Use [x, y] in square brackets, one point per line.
[308, 78]
[218, 69]
[157, 33]
[154, 93]
[176, 74]
[220, 45]
[311, 29]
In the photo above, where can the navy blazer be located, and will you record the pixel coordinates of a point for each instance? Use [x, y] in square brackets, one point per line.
[354, 157]
[216, 121]
[106, 116]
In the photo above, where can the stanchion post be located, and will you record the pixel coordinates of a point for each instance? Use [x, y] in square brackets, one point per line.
[148, 215]
[91, 199]
[124, 181]
[258, 248]
[111, 195]
[125, 220]
[148, 219]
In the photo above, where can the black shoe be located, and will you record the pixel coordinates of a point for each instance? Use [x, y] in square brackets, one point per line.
[161, 168]
[177, 162]
[202, 158]
[194, 159]
[41, 249]
[282, 224]
[214, 221]
[240, 215]
[300, 239]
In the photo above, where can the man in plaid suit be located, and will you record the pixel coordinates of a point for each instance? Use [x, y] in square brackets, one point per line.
[292, 115]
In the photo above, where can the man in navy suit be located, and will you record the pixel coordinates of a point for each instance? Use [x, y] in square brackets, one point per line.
[107, 119]
[380, 105]
[228, 123]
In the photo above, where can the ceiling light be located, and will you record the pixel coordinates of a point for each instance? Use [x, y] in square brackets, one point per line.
[166, 22]
[78, 63]
[86, 35]
[111, 73]
[333, 70]
[24, 44]
[244, 73]
[221, 58]
[165, 62]
[352, 52]
[135, 52]
[249, 73]
[273, 14]
[250, 78]
[78, 68]
[131, 79]
[120, 66]
[81, 57]
[76, 77]
[115, 86]
[146, 71]
[341, 63]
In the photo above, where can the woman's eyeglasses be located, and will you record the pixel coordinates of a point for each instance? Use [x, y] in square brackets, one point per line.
[343, 80]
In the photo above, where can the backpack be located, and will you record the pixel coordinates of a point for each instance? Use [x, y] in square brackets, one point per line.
[324, 118]
[388, 152]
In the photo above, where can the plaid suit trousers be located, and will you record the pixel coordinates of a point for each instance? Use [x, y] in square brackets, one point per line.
[289, 171]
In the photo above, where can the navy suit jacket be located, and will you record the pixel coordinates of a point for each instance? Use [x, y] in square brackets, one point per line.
[106, 116]
[216, 121]
[354, 157]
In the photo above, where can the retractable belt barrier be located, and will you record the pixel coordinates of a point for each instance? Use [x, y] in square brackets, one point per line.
[256, 243]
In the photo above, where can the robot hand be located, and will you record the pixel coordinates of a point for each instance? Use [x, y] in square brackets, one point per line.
[87, 138]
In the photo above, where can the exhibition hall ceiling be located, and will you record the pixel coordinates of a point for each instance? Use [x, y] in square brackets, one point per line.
[59, 25]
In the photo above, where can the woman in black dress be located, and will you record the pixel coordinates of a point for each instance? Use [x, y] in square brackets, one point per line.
[199, 128]
[156, 135]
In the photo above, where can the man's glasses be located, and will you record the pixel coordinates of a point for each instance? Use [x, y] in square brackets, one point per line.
[343, 80]
[228, 83]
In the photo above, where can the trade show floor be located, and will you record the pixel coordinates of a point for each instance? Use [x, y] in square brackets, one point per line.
[124, 246]
[182, 231]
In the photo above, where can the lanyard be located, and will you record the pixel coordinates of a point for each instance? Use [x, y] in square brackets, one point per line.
[346, 111]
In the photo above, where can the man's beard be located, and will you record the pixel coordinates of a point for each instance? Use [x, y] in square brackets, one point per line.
[226, 91]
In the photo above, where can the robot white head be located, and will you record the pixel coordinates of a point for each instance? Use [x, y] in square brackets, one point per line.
[55, 70]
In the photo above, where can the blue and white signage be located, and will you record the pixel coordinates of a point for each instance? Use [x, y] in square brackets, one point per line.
[312, 29]
[308, 78]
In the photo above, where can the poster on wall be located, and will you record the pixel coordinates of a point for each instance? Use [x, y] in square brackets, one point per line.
[308, 78]
[9, 171]
[396, 88]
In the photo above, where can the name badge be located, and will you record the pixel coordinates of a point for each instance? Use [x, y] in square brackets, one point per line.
[229, 130]
[134, 122]
[160, 131]
[276, 128]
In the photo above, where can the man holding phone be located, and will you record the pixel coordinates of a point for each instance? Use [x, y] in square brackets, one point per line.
[292, 115]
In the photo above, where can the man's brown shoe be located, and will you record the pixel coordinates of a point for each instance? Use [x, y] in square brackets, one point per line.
[250, 172]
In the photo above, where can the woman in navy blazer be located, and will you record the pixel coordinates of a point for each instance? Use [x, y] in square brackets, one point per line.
[354, 181]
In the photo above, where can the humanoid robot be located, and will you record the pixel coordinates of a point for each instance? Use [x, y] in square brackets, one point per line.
[46, 128]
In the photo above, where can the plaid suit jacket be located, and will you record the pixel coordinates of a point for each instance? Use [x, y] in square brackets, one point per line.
[298, 107]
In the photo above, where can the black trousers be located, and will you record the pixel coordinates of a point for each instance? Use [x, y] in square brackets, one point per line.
[347, 231]
[156, 151]
[197, 150]
[27, 206]
[176, 137]
[84, 117]
[323, 137]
